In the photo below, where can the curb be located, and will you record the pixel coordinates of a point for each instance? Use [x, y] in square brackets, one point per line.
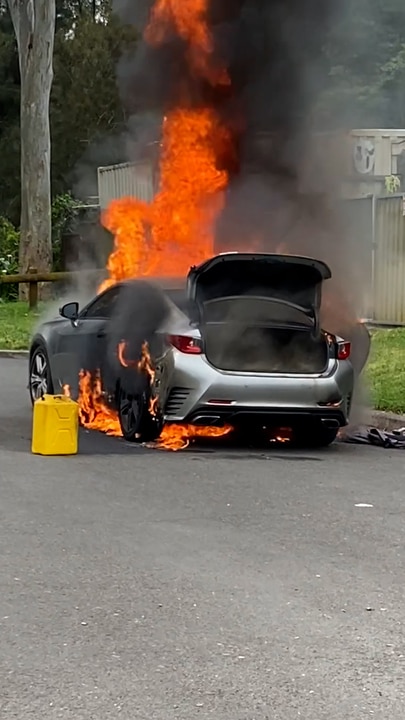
[13, 354]
[385, 420]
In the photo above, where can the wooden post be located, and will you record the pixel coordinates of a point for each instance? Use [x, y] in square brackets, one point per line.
[33, 290]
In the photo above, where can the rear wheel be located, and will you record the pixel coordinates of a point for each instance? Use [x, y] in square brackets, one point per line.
[39, 378]
[317, 437]
[137, 424]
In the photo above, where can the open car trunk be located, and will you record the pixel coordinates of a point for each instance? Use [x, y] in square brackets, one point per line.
[252, 342]
[260, 313]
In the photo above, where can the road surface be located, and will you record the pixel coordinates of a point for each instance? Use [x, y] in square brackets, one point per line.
[215, 583]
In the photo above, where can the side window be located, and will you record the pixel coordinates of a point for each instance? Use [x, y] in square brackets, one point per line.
[103, 306]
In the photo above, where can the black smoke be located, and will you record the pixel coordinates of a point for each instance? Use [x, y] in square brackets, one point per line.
[273, 51]
[140, 311]
[283, 193]
[284, 189]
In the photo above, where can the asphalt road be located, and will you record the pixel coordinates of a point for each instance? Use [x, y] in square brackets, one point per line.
[223, 583]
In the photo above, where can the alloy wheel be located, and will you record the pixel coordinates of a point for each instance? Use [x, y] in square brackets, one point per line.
[39, 375]
[130, 410]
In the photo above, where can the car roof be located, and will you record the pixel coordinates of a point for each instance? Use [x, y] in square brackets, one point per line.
[166, 283]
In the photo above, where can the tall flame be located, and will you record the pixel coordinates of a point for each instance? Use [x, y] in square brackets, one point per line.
[176, 230]
[189, 19]
[93, 412]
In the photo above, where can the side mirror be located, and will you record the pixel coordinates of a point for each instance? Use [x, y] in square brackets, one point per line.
[70, 311]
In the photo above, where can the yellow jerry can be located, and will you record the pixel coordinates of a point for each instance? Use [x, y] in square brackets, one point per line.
[55, 426]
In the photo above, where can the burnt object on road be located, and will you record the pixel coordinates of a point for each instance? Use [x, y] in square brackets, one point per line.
[373, 436]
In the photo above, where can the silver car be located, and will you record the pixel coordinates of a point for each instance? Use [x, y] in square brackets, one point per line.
[238, 342]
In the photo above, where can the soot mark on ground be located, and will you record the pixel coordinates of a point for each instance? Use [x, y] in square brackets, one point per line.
[297, 458]
[95, 443]
[261, 456]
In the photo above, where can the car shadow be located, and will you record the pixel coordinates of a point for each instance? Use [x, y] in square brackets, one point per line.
[231, 446]
[15, 436]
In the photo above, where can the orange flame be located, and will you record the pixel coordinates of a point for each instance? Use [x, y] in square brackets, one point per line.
[95, 415]
[179, 437]
[121, 355]
[189, 19]
[282, 435]
[145, 366]
[176, 230]
[93, 412]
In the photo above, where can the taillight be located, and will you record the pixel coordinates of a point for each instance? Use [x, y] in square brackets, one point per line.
[188, 345]
[343, 350]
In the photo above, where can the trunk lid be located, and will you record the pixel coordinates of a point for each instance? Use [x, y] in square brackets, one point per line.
[281, 287]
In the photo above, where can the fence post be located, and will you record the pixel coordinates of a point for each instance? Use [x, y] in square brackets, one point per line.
[374, 241]
[32, 290]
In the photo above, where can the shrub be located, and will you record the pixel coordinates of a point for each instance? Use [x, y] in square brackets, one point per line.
[9, 244]
[64, 210]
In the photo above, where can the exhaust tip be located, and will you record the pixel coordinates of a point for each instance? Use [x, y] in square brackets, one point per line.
[330, 423]
[207, 420]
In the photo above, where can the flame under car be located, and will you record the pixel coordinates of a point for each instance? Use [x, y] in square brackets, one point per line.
[236, 343]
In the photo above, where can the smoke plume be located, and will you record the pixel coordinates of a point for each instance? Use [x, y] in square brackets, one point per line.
[283, 188]
[141, 308]
[282, 194]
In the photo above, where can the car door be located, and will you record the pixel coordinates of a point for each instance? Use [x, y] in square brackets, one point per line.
[82, 344]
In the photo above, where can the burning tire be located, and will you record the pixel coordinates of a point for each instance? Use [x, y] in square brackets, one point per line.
[140, 310]
[39, 376]
[137, 423]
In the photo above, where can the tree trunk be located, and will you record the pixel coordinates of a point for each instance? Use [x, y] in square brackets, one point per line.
[34, 25]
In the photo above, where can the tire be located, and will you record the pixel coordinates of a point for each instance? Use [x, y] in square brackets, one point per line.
[132, 325]
[39, 374]
[136, 422]
[319, 437]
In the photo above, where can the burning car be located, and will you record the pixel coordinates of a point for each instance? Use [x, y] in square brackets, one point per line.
[236, 343]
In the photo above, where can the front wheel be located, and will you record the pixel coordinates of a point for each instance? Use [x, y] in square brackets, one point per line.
[39, 379]
[137, 423]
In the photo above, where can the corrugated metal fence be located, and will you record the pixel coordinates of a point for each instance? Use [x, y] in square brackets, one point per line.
[125, 180]
[389, 261]
[377, 226]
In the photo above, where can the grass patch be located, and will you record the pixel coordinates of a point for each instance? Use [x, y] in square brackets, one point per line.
[16, 325]
[386, 370]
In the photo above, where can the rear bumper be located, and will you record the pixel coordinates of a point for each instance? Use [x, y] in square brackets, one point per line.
[334, 418]
[200, 391]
